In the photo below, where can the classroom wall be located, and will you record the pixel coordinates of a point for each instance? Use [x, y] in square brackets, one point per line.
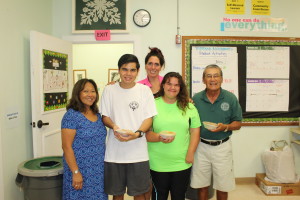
[197, 17]
[1, 169]
[17, 18]
[202, 18]
[97, 59]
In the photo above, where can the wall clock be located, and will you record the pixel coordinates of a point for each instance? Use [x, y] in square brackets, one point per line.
[141, 18]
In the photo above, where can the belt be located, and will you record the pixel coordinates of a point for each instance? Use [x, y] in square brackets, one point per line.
[214, 143]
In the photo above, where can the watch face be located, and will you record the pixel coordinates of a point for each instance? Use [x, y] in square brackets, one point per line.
[141, 18]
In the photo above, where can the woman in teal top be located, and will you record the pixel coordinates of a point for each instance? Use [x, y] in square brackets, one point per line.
[171, 159]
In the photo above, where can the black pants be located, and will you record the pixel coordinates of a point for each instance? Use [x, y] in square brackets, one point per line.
[174, 182]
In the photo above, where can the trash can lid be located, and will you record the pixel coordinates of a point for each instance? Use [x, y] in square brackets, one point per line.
[41, 167]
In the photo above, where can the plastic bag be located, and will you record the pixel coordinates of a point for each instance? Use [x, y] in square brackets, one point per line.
[278, 145]
[280, 165]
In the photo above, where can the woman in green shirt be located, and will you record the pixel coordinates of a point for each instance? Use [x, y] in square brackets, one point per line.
[171, 158]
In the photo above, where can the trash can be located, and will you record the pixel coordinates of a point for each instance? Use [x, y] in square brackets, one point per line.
[192, 194]
[41, 178]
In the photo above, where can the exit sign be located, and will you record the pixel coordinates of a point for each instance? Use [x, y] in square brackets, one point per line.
[102, 34]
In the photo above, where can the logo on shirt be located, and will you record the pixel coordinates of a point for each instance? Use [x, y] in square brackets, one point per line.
[134, 105]
[225, 106]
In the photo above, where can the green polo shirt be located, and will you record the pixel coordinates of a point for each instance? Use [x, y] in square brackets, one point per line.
[225, 109]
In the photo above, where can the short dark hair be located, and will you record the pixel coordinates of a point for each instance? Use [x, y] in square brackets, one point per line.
[156, 52]
[212, 66]
[75, 102]
[128, 58]
[183, 96]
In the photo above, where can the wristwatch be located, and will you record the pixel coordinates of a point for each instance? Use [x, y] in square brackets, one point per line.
[141, 133]
[76, 171]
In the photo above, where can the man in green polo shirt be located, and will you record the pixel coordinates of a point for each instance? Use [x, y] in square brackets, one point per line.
[214, 153]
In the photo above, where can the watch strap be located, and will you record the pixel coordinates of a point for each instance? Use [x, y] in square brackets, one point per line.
[141, 133]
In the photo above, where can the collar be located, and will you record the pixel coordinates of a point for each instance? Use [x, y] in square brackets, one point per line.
[220, 97]
[147, 82]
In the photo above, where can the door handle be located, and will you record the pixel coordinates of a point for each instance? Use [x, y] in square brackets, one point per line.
[40, 124]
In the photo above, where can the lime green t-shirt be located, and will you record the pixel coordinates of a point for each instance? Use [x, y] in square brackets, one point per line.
[170, 157]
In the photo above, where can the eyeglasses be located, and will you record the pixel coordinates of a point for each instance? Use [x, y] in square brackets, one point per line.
[212, 75]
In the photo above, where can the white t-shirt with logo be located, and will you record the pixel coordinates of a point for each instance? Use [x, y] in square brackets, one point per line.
[127, 108]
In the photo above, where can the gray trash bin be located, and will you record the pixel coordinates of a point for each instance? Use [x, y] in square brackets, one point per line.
[41, 178]
[192, 194]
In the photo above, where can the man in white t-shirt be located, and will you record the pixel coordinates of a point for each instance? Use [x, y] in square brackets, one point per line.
[127, 105]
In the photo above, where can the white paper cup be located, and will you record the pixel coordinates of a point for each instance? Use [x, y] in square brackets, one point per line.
[210, 125]
[167, 134]
[123, 132]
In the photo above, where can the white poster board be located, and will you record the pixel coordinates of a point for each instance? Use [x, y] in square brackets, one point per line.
[225, 57]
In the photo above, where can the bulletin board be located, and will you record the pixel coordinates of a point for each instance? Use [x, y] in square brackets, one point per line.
[288, 118]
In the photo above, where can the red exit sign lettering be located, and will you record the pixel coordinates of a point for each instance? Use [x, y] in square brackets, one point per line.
[102, 34]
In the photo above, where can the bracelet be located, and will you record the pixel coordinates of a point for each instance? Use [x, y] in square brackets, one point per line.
[226, 129]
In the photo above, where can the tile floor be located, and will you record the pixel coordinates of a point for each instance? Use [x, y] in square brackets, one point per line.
[247, 190]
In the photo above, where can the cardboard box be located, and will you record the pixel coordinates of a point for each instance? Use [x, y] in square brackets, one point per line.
[277, 189]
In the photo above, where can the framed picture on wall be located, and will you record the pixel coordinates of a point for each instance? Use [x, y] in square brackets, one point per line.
[91, 15]
[113, 75]
[78, 74]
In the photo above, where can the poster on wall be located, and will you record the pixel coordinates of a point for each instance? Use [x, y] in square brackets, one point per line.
[236, 7]
[55, 80]
[261, 7]
[225, 57]
[91, 15]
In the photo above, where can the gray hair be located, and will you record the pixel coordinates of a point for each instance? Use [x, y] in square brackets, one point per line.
[210, 67]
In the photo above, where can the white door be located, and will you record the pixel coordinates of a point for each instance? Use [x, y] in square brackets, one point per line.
[51, 83]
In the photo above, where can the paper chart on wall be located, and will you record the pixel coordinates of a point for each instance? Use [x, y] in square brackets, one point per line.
[225, 57]
[268, 62]
[268, 69]
[266, 95]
